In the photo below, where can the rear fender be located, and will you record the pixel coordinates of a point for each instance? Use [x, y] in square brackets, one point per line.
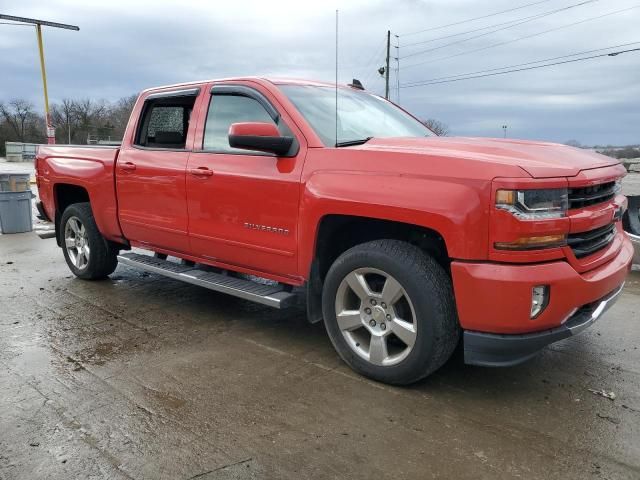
[95, 175]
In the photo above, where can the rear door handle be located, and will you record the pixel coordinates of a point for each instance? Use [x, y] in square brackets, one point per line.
[127, 166]
[201, 172]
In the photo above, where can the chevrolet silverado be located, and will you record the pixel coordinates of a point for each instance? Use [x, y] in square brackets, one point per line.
[406, 244]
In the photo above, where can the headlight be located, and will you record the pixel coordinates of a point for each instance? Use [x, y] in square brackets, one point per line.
[534, 204]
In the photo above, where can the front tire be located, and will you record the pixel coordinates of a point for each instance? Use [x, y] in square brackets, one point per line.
[389, 311]
[88, 254]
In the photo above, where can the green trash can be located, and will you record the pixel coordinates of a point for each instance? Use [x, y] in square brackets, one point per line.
[15, 212]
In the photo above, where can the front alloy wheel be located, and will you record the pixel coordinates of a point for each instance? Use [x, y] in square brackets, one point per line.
[376, 316]
[389, 310]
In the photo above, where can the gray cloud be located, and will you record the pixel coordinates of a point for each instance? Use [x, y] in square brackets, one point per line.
[123, 47]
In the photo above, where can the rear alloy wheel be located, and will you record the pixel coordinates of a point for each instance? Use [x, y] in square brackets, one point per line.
[77, 243]
[389, 310]
[88, 254]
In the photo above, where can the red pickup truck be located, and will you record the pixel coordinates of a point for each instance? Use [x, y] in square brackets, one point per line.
[405, 243]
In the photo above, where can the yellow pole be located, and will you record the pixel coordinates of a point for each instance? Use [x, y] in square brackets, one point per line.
[50, 132]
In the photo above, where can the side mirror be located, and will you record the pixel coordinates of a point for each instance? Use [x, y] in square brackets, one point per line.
[260, 136]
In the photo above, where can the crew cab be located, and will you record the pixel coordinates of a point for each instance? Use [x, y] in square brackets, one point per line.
[405, 243]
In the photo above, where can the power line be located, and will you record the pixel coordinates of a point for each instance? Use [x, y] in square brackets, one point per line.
[476, 18]
[522, 38]
[443, 37]
[381, 46]
[611, 54]
[513, 23]
[448, 77]
[373, 65]
[518, 64]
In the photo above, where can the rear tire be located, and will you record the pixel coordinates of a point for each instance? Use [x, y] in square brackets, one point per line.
[88, 254]
[398, 321]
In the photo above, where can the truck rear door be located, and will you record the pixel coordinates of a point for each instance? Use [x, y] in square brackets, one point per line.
[151, 169]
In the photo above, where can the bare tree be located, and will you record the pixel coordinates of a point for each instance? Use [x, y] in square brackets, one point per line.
[65, 115]
[119, 114]
[436, 126]
[91, 116]
[573, 143]
[77, 120]
[19, 115]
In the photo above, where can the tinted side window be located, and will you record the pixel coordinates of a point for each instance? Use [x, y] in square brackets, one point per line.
[225, 110]
[165, 122]
[166, 119]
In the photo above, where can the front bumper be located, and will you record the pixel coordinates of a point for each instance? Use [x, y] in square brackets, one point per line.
[492, 350]
[494, 302]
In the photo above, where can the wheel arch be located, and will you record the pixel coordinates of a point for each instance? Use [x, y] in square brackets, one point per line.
[336, 233]
[65, 194]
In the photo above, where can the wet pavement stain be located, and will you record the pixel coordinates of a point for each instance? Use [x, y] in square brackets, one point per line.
[142, 377]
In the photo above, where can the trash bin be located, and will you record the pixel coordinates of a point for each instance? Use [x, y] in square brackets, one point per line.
[15, 182]
[15, 212]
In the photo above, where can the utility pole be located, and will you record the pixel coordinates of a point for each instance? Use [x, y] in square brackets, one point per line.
[51, 132]
[504, 128]
[386, 70]
[398, 68]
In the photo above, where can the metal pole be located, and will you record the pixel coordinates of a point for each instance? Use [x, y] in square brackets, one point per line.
[51, 136]
[336, 144]
[398, 69]
[386, 70]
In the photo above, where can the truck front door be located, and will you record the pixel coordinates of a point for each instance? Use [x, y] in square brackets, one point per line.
[243, 205]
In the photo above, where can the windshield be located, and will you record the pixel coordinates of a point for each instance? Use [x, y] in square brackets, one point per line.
[360, 115]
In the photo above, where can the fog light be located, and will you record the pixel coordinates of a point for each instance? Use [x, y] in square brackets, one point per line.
[539, 299]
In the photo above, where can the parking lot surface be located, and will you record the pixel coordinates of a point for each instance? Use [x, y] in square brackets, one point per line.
[141, 377]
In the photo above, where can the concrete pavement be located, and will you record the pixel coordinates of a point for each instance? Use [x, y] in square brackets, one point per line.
[143, 377]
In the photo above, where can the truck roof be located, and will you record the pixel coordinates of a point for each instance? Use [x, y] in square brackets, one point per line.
[272, 80]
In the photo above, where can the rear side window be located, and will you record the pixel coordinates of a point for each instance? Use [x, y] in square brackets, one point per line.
[166, 119]
[225, 110]
[165, 122]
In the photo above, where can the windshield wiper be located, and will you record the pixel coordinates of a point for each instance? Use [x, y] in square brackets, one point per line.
[350, 143]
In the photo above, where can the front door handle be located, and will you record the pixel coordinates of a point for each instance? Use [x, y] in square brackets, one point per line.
[128, 166]
[201, 172]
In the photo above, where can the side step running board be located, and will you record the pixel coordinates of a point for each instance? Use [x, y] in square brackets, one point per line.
[271, 295]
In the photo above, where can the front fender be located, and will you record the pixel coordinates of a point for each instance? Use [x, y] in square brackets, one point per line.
[456, 209]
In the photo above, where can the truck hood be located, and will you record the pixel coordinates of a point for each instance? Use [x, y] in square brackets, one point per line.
[538, 159]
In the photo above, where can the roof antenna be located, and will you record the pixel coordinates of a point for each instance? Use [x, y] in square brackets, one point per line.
[336, 78]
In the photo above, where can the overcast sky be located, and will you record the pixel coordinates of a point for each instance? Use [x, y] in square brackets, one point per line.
[125, 46]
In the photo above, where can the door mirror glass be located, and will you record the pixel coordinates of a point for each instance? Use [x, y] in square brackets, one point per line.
[260, 136]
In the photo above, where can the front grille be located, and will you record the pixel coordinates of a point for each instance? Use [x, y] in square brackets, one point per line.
[586, 243]
[586, 196]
